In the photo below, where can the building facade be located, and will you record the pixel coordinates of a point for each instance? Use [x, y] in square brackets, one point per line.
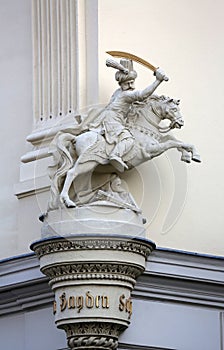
[53, 68]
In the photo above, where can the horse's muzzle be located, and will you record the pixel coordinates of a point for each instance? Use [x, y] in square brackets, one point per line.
[178, 124]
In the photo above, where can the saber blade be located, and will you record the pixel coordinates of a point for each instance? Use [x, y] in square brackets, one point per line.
[122, 54]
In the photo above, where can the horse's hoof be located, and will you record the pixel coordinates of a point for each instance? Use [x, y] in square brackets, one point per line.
[70, 204]
[186, 158]
[67, 202]
[196, 158]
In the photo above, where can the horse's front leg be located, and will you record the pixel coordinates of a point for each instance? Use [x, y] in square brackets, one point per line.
[78, 169]
[185, 155]
[188, 151]
[64, 197]
[195, 155]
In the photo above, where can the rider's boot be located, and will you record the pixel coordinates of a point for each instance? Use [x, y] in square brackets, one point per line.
[118, 163]
[122, 148]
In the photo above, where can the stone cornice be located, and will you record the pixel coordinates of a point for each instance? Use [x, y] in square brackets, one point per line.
[184, 278]
[169, 276]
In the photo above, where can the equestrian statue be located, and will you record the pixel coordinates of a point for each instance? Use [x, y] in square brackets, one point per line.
[116, 138]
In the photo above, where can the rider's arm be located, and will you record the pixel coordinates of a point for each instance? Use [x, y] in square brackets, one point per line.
[160, 76]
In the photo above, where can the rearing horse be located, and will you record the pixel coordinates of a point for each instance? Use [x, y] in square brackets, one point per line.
[80, 155]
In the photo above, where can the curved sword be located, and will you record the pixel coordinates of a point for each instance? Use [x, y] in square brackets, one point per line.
[122, 54]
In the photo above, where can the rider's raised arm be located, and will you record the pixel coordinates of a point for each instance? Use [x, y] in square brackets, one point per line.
[160, 76]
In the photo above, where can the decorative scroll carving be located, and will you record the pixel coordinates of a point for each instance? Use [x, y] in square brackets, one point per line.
[85, 342]
[98, 244]
[90, 328]
[93, 271]
[93, 334]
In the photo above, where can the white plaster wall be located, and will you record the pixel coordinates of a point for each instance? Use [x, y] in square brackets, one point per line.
[31, 330]
[16, 114]
[171, 326]
[185, 39]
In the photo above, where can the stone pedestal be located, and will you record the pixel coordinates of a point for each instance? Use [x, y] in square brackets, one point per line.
[92, 275]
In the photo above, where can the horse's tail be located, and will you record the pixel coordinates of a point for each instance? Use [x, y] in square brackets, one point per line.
[64, 156]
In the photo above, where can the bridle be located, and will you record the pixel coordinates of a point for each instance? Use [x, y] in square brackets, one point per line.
[164, 129]
[160, 114]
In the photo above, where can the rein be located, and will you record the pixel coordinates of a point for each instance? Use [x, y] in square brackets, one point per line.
[164, 129]
[159, 114]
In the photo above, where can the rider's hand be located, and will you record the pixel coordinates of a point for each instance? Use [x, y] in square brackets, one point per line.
[160, 75]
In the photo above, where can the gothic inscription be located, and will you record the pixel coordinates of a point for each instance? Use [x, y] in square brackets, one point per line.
[79, 302]
[89, 301]
[125, 305]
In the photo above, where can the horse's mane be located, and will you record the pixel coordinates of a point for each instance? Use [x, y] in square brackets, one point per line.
[162, 98]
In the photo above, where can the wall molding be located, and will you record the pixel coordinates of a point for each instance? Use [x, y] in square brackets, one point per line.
[32, 187]
[174, 277]
[124, 346]
[181, 277]
[65, 76]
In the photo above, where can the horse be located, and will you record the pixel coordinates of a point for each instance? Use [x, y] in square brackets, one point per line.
[80, 155]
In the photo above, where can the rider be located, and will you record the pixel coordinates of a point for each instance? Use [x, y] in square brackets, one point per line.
[112, 120]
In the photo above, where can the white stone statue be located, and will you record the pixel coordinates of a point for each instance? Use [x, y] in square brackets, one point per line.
[124, 134]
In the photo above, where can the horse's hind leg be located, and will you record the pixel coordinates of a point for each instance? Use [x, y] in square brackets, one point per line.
[78, 169]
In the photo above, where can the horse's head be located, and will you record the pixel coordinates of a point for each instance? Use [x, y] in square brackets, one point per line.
[167, 108]
[172, 112]
[155, 109]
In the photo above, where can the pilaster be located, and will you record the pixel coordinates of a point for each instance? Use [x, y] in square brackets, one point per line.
[65, 79]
